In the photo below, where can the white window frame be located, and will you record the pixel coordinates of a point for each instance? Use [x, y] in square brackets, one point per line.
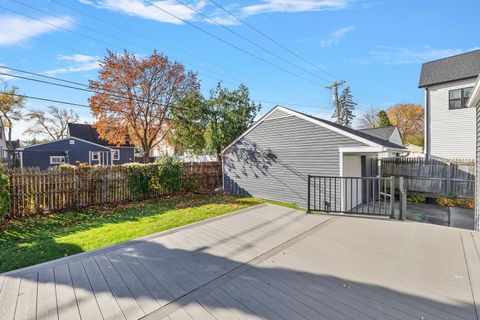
[115, 154]
[52, 161]
[71, 141]
[95, 156]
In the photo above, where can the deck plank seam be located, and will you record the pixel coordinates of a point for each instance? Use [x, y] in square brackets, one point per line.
[172, 306]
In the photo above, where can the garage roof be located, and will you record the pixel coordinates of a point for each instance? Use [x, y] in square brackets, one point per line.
[352, 133]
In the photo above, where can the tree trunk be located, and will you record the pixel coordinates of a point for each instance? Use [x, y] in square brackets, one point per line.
[10, 147]
[219, 151]
[146, 155]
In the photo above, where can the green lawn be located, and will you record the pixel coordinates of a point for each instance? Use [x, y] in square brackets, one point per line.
[43, 238]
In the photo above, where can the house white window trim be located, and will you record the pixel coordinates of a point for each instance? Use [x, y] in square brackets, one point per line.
[115, 154]
[57, 159]
[95, 156]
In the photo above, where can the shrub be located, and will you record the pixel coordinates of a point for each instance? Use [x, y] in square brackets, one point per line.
[416, 198]
[456, 202]
[4, 196]
[162, 176]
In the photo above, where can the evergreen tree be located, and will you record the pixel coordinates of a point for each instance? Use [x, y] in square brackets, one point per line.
[347, 106]
[383, 119]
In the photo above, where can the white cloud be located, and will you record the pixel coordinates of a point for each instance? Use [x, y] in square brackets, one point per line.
[336, 37]
[293, 6]
[16, 30]
[145, 10]
[78, 63]
[391, 55]
[4, 78]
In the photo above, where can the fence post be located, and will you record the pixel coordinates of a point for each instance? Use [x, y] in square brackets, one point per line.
[392, 197]
[403, 199]
[449, 177]
[308, 196]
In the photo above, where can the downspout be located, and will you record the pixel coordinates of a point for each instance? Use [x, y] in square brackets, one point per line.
[426, 124]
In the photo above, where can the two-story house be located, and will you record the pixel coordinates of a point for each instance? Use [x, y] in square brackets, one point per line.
[449, 122]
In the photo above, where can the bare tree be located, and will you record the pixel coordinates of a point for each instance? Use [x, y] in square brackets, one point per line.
[369, 119]
[53, 125]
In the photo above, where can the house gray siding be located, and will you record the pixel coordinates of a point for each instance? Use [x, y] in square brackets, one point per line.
[477, 186]
[39, 156]
[274, 159]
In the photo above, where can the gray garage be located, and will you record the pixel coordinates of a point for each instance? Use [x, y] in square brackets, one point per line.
[272, 159]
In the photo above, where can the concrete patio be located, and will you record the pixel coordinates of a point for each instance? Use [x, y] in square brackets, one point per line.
[268, 262]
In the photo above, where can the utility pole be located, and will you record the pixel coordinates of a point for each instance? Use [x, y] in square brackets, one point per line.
[334, 88]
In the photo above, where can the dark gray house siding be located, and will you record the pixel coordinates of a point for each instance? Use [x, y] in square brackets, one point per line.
[39, 156]
[274, 159]
[127, 155]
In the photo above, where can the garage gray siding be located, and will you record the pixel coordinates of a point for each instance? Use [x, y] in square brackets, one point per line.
[273, 160]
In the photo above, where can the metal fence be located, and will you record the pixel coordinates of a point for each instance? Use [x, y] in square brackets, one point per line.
[357, 195]
[433, 176]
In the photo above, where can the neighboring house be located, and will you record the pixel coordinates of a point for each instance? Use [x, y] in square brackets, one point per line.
[390, 133]
[82, 146]
[414, 151]
[475, 103]
[273, 158]
[119, 154]
[449, 123]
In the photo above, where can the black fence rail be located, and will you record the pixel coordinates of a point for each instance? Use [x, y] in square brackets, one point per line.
[357, 195]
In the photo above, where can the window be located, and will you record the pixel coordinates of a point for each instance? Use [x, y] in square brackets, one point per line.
[116, 154]
[458, 98]
[57, 159]
[95, 155]
[72, 141]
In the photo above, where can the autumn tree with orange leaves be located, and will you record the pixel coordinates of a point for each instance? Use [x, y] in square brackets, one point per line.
[408, 117]
[134, 98]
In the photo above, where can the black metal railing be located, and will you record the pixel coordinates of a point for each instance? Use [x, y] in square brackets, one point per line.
[357, 195]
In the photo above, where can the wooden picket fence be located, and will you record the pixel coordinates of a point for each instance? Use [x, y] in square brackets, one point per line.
[34, 191]
[434, 177]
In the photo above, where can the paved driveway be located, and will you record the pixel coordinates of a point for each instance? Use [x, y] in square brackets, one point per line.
[264, 263]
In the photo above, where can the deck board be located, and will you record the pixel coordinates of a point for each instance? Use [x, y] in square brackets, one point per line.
[87, 304]
[47, 296]
[265, 263]
[27, 297]
[8, 297]
[66, 300]
[105, 299]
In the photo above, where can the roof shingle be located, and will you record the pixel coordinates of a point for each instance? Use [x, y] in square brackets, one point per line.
[462, 66]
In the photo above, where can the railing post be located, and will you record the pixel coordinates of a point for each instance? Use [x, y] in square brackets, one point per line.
[403, 199]
[308, 196]
[392, 197]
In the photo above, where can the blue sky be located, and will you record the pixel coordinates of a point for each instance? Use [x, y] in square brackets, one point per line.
[376, 46]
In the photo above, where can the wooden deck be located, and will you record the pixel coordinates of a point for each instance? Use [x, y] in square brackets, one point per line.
[265, 263]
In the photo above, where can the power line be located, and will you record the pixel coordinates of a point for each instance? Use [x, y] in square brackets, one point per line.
[250, 41]
[111, 91]
[49, 100]
[231, 44]
[107, 43]
[58, 27]
[273, 40]
[85, 86]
